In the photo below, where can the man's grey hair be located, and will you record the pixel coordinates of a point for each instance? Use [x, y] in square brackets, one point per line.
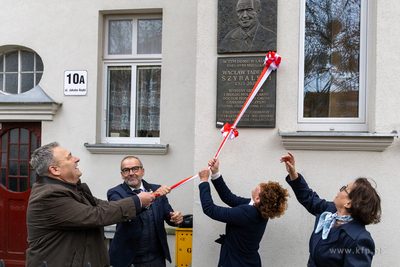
[132, 157]
[256, 5]
[42, 158]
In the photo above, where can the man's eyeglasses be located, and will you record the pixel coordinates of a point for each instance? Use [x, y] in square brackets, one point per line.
[134, 169]
[344, 188]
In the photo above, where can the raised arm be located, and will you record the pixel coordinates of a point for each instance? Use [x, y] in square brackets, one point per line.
[290, 165]
[305, 195]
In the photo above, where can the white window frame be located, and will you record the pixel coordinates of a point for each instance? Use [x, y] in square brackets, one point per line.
[134, 61]
[335, 124]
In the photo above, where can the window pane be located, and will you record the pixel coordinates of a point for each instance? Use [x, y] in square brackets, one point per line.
[26, 82]
[4, 177]
[1, 63]
[33, 142]
[38, 78]
[23, 168]
[27, 60]
[24, 136]
[1, 82]
[39, 63]
[13, 184]
[23, 184]
[119, 101]
[3, 160]
[149, 36]
[12, 61]
[148, 101]
[14, 135]
[332, 52]
[13, 152]
[11, 83]
[13, 168]
[23, 152]
[120, 37]
[4, 142]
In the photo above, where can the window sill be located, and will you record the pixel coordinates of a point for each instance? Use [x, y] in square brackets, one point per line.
[121, 149]
[337, 141]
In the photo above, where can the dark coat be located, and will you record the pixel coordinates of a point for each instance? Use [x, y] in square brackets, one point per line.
[245, 226]
[127, 235]
[349, 244]
[65, 224]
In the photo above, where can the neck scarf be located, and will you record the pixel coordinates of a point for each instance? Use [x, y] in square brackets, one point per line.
[327, 220]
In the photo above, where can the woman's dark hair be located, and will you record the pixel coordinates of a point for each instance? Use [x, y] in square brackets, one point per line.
[365, 202]
[273, 200]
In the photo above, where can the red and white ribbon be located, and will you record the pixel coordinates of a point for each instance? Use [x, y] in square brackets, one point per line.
[271, 62]
[227, 129]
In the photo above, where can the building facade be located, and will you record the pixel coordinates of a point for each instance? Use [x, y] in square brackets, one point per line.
[108, 79]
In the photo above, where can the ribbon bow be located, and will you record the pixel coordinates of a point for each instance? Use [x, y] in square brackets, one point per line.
[227, 128]
[327, 220]
[272, 60]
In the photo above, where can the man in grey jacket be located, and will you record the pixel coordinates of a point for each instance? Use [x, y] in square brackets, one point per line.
[65, 222]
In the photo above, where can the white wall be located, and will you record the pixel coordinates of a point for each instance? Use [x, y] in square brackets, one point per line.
[254, 156]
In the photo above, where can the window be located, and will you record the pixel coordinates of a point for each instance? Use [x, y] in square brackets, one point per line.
[20, 71]
[132, 79]
[332, 93]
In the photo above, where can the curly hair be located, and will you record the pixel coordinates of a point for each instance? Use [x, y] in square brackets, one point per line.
[365, 202]
[273, 200]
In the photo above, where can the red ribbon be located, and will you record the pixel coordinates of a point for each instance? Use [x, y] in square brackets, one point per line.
[227, 130]
[272, 60]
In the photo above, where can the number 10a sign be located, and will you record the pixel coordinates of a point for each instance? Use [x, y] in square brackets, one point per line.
[75, 82]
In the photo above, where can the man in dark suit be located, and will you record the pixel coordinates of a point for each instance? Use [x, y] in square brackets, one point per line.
[142, 241]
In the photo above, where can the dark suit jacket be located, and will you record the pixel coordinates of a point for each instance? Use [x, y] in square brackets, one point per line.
[66, 224]
[244, 225]
[346, 245]
[127, 235]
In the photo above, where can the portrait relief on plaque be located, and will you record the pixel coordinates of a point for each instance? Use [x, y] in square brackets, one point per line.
[246, 26]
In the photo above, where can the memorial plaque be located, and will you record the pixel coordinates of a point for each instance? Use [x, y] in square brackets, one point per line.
[236, 79]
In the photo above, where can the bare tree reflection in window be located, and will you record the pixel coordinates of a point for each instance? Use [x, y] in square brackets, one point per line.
[332, 52]
[149, 36]
[120, 37]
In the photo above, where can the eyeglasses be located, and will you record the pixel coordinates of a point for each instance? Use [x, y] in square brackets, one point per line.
[344, 188]
[134, 169]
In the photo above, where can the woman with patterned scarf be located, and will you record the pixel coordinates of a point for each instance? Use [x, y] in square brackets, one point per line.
[339, 237]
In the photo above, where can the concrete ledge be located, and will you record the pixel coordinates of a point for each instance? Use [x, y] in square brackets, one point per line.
[123, 149]
[337, 141]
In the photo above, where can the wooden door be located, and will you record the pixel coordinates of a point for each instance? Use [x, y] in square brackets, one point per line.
[17, 143]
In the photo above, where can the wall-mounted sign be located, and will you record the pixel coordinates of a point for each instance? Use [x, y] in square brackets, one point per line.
[75, 82]
[236, 78]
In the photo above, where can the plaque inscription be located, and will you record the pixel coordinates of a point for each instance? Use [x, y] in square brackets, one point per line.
[235, 80]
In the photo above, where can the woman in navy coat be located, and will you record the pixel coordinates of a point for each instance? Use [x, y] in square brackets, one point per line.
[339, 237]
[245, 220]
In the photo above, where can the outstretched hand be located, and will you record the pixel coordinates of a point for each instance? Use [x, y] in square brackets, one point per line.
[290, 165]
[214, 165]
[162, 191]
[204, 174]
